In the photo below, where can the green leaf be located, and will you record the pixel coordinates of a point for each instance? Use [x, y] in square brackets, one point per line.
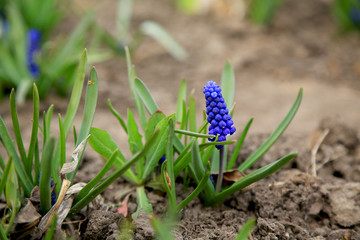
[45, 177]
[11, 193]
[146, 97]
[138, 103]
[246, 229]
[152, 123]
[181, 98]
[142, 201]
[16, 127]
[10, 148]
[4, 178]
[169, 153]
[135, 142]
[192, 114]
[228, 84]
[103, 144]
[47, 122]
[157, 32]
[123, 18]
[253, 177]
[34, 131]
[239, 145]
[200, 172]
[117, 115]
[50, 232]
[158, 150]
[274, 136]
[202, 184]
[62, 140]
[89, 112]
[163, 231]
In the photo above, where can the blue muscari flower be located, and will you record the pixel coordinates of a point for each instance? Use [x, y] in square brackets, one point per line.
[162, 159]
[218, 114]
[33, 47]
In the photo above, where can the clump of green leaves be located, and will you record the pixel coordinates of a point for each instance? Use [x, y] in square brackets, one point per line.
[185, 147]
[29, 53]
[26, 173]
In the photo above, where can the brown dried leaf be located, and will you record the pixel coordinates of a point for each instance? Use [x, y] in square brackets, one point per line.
[230, 176]
[27, 214]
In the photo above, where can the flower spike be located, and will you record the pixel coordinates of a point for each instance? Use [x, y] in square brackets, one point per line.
[218, 114]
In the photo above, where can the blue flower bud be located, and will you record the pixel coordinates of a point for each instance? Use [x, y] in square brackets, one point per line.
[33, 47]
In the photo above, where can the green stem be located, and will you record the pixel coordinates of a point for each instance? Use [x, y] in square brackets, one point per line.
[221, 172]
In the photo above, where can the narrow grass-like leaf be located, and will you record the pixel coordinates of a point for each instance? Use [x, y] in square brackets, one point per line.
[4, 178]
[115, 175]
[163, 231]
[11, 193]
[89, 112]
[181, 98]
[2, 163]
[45, 177]
[239, 145]
[192, 114]
[200, 171]
[155, 31]
[274, 136]
[246, 229]
[205, 157]
[203, 182]
[10, 148]
[62, 141]
[142, 202]
[50, 232]
[134, 140]
[138, 104]
[146, 97]
[85, 190]
[16, 126]
[253, 177]
[117, 115]
[3, 233]
[158, 150]
[194, 134]
[34, 131]
[169, 152]
[47, 122]
[37, 162]
[228, 84]
[152, 123]
[102, 143]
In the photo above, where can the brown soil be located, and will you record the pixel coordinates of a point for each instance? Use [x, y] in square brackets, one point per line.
[301, 48]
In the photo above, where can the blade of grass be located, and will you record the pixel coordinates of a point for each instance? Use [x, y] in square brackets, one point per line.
[62, 140]
[253, 177]
[192, 113]
[4, 178]
[135, 141]
[152, 123]
[10, 148]
[246, 229]
[169, 152]
[274, 136]
[155, 31]
[115, 175]
[197, 191]
[131, 76]
[146, 97]
[181, 98]
[89, 112]
[228, 84]
[11, 193]
[142, 201]
[117, 115]
[47, 122]
[34, 131]
[163, 231]
[16, 126]
[50, 232]
[239, 145]
[45, 177]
